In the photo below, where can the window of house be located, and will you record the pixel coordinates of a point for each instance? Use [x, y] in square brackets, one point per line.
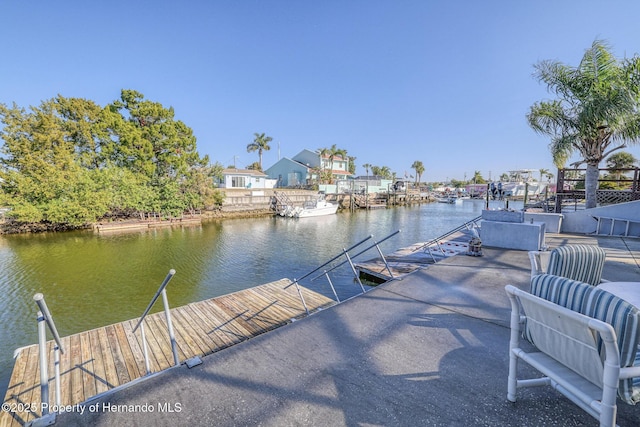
[238, 181]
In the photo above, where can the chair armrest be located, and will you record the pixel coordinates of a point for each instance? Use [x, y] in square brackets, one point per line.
[539, 262]
[630, 372]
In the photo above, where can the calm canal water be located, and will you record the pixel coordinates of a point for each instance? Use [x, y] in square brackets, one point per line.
[91, 280]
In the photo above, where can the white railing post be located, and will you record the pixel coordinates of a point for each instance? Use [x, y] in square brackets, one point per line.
[174, 346]
[172, 337]
[44, 373]
[44, 316]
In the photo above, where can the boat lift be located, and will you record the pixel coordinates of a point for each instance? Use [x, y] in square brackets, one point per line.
[349, 259]
[435, 247]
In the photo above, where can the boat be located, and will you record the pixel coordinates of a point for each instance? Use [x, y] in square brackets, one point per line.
[450, 200]
[318, 207]
[447, 198]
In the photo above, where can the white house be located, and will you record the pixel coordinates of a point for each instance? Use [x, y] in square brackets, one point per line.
[245, 178]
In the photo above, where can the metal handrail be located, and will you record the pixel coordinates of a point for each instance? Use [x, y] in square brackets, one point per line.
[349, 258]
[375, 245]
[431, 242]
[330, 261]
[174, 345]
[44, 316]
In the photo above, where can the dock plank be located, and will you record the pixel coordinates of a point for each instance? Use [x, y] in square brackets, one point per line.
[105, 358]
[225, 326]
[110, 375]
[158, 333]
[157, 359]
[88, 366]
[31, 393]
[101, 382]
[210, 323]
[129, 357]
[199, 327]
[77, 365]
[118, 358]
[190, 332]
[135, 345]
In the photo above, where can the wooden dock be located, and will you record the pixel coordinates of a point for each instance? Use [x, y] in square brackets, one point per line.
[102, 359]
[146, 224]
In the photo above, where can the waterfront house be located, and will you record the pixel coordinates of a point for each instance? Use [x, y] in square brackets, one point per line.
[304, 169]
[245, 178]
[372, 184]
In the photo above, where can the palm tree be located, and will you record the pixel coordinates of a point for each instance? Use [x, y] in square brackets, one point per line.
[544, 172]
[596, 112]
[332, 153]
[620, 160]
[366, 167]
[385, 172]
[336, 152]
[478, 179]
[323, 152]
[260, 143]
[419, 168]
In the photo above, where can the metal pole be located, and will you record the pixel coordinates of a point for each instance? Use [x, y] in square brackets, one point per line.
[486, 204]
[167, 313]
[57, 374]
[331, 284]
[145, 349]
[295, 281]
[39, 299]
[353, 269]
[155, 297]
[44, 374]
[384, 260]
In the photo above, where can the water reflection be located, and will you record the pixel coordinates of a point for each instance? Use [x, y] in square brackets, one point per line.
[90, 280]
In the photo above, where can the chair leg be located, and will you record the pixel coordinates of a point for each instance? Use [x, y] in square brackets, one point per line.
[512, 384]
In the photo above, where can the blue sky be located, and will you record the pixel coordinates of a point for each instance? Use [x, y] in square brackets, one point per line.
[445, 82]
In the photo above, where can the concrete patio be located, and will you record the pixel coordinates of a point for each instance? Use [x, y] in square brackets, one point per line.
[429, 349]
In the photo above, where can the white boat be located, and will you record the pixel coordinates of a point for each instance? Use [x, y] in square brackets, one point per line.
[315, 208]
[450, 200]
[447, 198]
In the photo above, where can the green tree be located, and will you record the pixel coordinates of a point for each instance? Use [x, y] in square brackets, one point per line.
[70, 161]
[419, 168]
[382, 171]
[620, 160]
[352, 165]
[478, 179]
[596, 112]
[39, 176]
[148, 140]
[260, 143]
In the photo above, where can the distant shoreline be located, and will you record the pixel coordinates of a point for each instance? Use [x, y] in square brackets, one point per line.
[7, 228]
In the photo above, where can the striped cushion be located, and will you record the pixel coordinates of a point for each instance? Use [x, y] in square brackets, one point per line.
[578, 262]
[602, 305]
